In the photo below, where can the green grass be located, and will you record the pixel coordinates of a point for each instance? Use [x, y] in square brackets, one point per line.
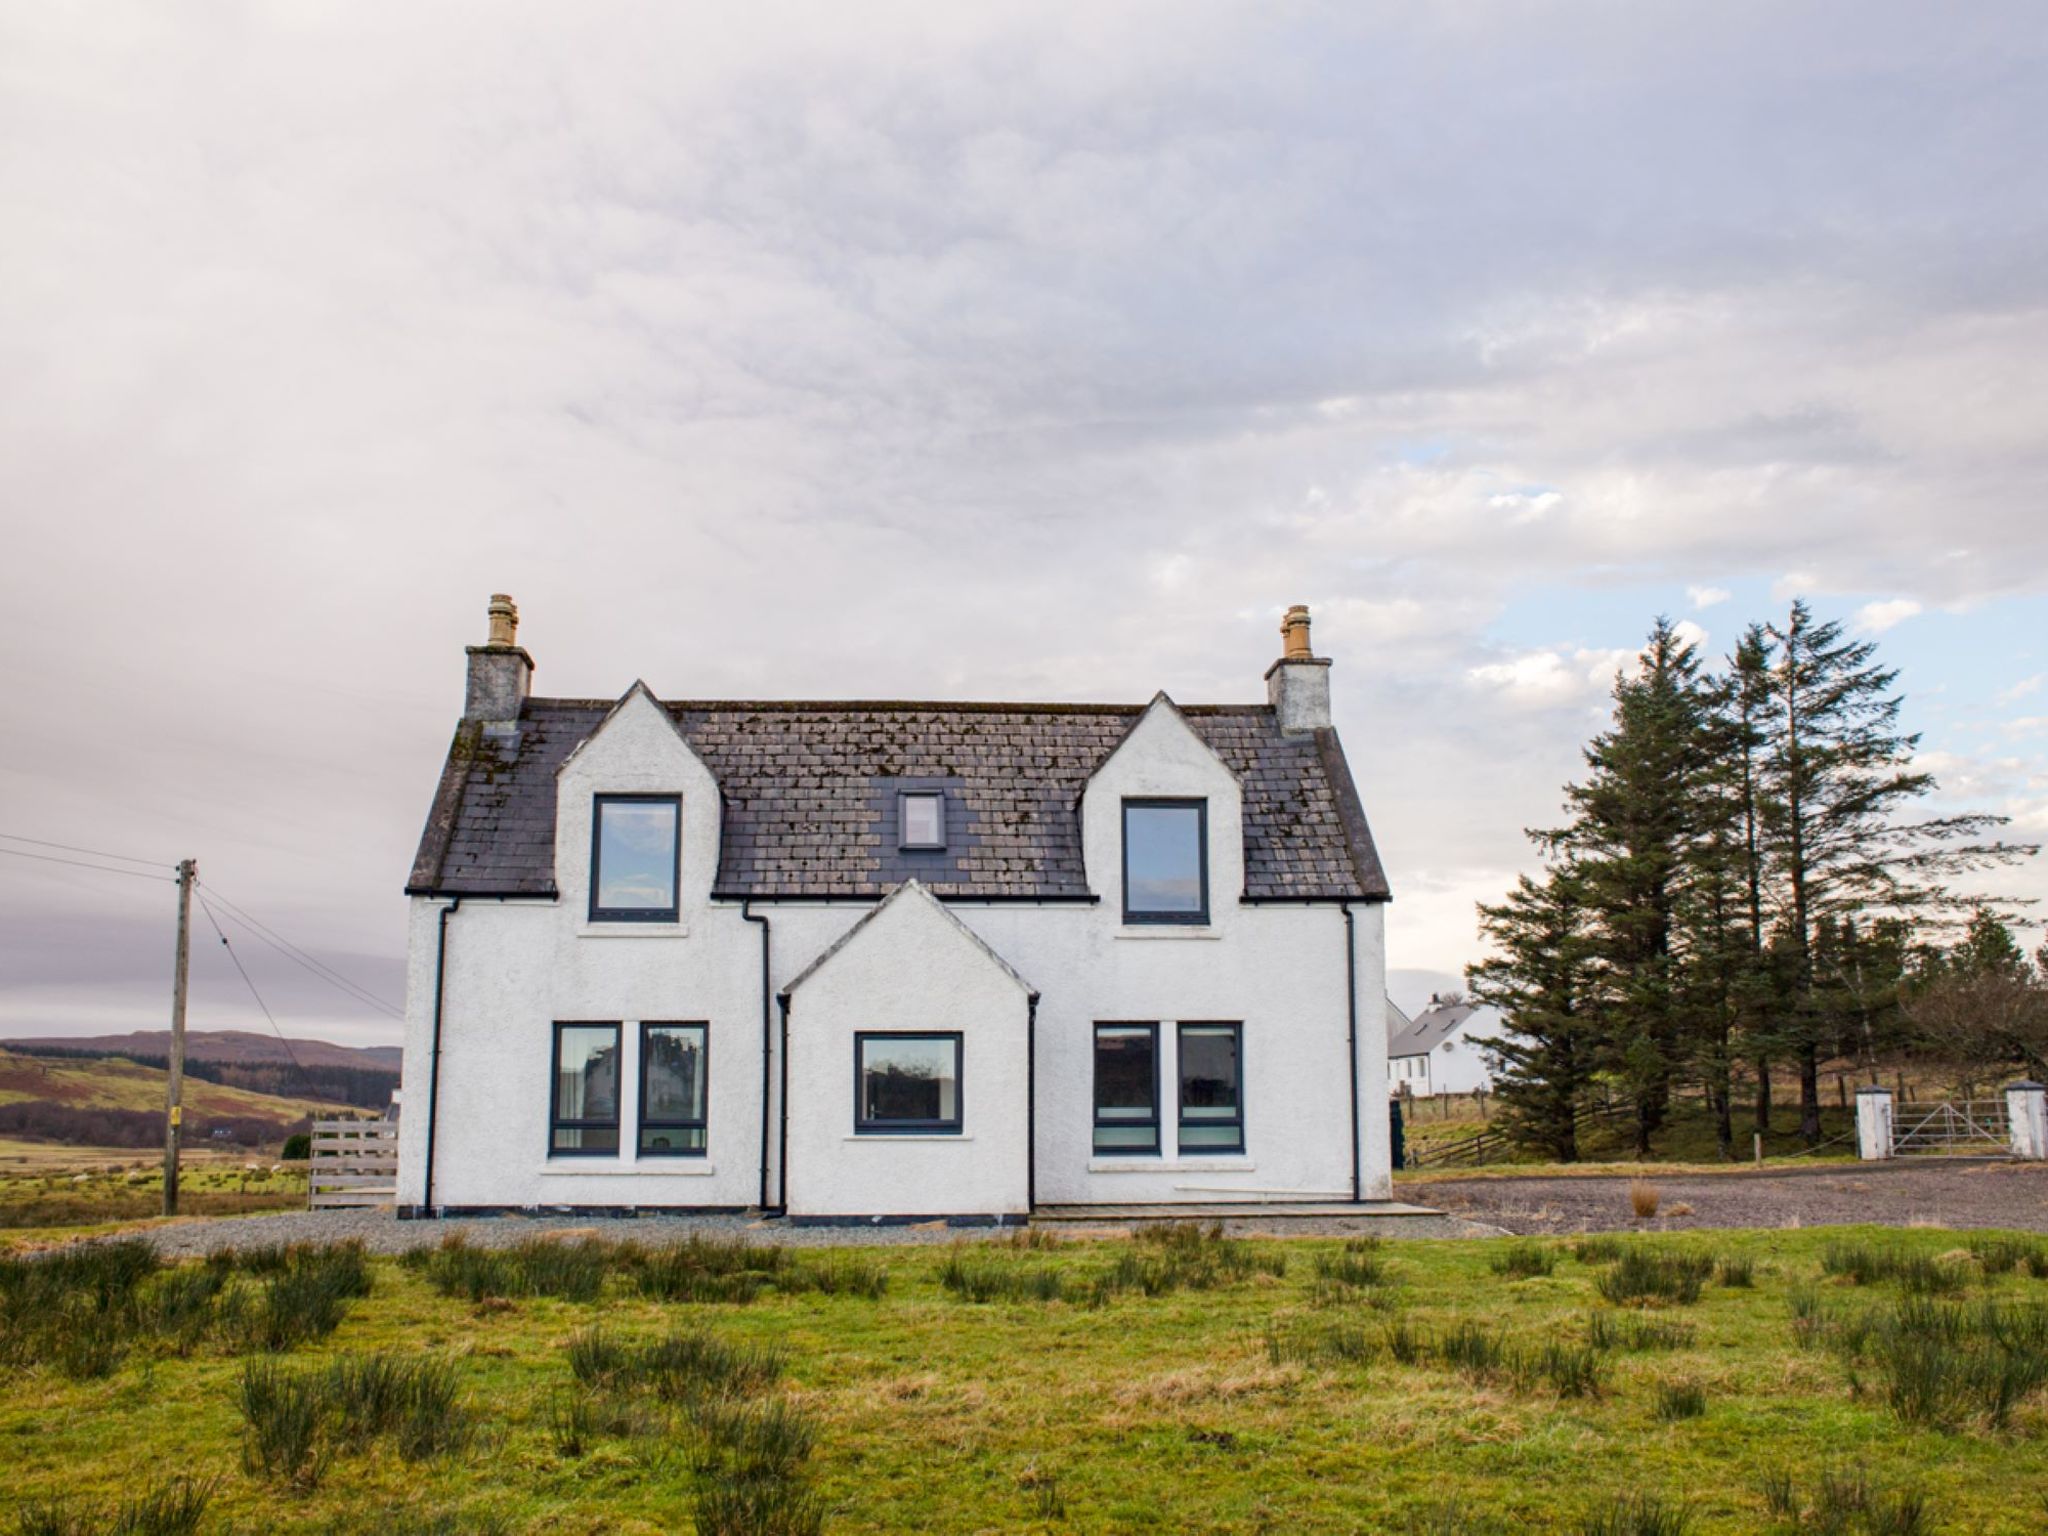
[1250, 1389]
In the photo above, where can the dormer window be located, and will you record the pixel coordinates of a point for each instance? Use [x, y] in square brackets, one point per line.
[636, 850]
[1166, 861]
[921, 820]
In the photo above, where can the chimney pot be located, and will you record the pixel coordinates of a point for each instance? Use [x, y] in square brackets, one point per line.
[1298, 684]
[500, 671]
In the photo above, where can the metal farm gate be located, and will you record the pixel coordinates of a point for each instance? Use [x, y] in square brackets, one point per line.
[1948, 1127]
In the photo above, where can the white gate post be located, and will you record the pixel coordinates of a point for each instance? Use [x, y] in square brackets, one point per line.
[2026, 1110]
[1873, 1123]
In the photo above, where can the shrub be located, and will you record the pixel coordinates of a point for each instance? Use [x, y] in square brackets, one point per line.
[1639, 1514]
[1678, 1400]
[298, 1148]
[283, 1417]
[1522, 1261]
[1643, 1198]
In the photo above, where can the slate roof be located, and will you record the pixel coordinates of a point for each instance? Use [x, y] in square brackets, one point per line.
[807, 788]
[1438, 1023]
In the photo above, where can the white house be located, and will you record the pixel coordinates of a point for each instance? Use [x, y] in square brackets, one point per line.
[847, 961]
[1439, 1050]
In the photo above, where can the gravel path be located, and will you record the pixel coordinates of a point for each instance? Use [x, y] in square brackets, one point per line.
[1903, 1194]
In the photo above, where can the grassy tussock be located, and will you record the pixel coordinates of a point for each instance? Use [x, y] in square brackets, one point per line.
[1643, 1274]
[1844, 1502]
[173, 1507]
[1639, 1514]
[1937, 1364]
[296, 1421]
[2007, 1255]
[1679, 1400]
[1876, 1263]
[1603, 1249]
[1524, 1261]
[681, 1367]
[1162, 1259]
[1635, 1332]
[536, 1266]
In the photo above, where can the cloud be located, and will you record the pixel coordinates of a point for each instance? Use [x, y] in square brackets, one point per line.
[2022, 688]
[1876, 618]
[1005, 350]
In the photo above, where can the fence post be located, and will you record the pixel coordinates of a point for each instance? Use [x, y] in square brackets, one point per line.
[2026, 1108]
[1873, 1123]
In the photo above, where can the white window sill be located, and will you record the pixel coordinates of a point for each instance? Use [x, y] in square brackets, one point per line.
[653, 1168]
[1165, 931]
[941, 1137]
[633, 931]
[1233, 1164]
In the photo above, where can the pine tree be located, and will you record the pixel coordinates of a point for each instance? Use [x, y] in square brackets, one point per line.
[1744, 708]
[1637, 821]
[1837, 772]
[1539, 979]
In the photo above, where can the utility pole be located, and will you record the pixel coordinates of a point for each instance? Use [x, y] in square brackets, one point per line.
[174, 1089]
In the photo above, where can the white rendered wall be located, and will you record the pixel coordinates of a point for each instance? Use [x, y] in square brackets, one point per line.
[516, 968]
[912, 968]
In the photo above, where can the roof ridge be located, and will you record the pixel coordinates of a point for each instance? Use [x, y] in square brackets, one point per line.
[953, 706]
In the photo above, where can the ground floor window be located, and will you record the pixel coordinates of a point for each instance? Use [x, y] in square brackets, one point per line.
[1211, 1088]
[906, 1084]
[1127, 1088]
[674, 1073]
[583, 1115]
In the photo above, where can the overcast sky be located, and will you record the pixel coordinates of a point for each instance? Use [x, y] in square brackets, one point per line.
[973, 351]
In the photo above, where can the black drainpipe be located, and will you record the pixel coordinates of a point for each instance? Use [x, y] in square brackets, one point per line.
[1031, 1106]
[434, 1060]
[782, 1151]
[1351, 1002]
[767, 1041]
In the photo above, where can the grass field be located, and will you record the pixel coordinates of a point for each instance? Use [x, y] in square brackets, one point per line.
[1687, 1137]
[113, 1082]
[1854, 1378]
[47, 1190]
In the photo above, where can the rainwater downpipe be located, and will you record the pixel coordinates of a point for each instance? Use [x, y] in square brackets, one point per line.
[1031, 1106]
[1351, 1004]
[782, 1150]
[434, 1057]
[767, 1041]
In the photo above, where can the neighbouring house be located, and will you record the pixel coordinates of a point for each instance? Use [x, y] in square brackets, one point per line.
[892, 960]
[1438, 1051]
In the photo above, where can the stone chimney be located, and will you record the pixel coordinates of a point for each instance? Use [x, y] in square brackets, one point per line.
[500, 671]
[1298, 684]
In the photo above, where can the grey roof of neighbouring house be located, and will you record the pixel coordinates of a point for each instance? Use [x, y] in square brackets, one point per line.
[1436, 1024]
[808, 787]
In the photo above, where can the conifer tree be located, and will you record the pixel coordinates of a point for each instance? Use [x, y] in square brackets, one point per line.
[1539, 979]
[1837, 773]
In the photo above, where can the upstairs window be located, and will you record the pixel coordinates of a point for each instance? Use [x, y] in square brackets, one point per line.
[906, 1085]
[1211, 1088]
[635, 858]
[921, 819]
[673, 1066]
[583, 1114]
[1126, 1089]
[1166, 861]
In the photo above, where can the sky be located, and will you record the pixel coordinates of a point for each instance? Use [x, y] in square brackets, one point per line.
[1011, 351]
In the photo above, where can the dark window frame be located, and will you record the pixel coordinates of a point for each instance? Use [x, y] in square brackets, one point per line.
[903, 842]
[862, 1126]
[1198, 919]
[647, 1122]
[603, 914]
[1180, 1031]
[556, 1122]
[1157, 1149]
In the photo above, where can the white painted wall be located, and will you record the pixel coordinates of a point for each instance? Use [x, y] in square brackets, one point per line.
[912, 968]
[514, 968]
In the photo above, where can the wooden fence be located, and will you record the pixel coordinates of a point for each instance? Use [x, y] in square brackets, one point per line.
[355, 1162]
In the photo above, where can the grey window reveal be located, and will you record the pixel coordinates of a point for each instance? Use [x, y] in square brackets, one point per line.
[923, 819]
[1211, 1088]
[1127, 1088]
[635, 858]
[674, 1084]
[1166, 861]
[906, 1084]
[583, 1114]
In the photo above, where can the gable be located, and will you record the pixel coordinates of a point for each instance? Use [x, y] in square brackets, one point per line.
[911, 921]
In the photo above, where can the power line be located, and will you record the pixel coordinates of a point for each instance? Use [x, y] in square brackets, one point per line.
[98, 853]
[44, 858]
[305, 961]
[311, 1091]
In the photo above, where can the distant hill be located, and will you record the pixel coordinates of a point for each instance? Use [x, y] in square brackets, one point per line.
[116, 1102]
[234, 1045]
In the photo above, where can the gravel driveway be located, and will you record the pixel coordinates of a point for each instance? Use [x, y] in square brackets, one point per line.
[1902, 1194]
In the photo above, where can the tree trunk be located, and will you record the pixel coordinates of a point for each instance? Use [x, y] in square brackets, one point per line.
[1763, 1093]
[1809, 1093]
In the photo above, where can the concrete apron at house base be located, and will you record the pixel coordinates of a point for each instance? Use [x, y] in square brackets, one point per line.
[1276, 1218]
